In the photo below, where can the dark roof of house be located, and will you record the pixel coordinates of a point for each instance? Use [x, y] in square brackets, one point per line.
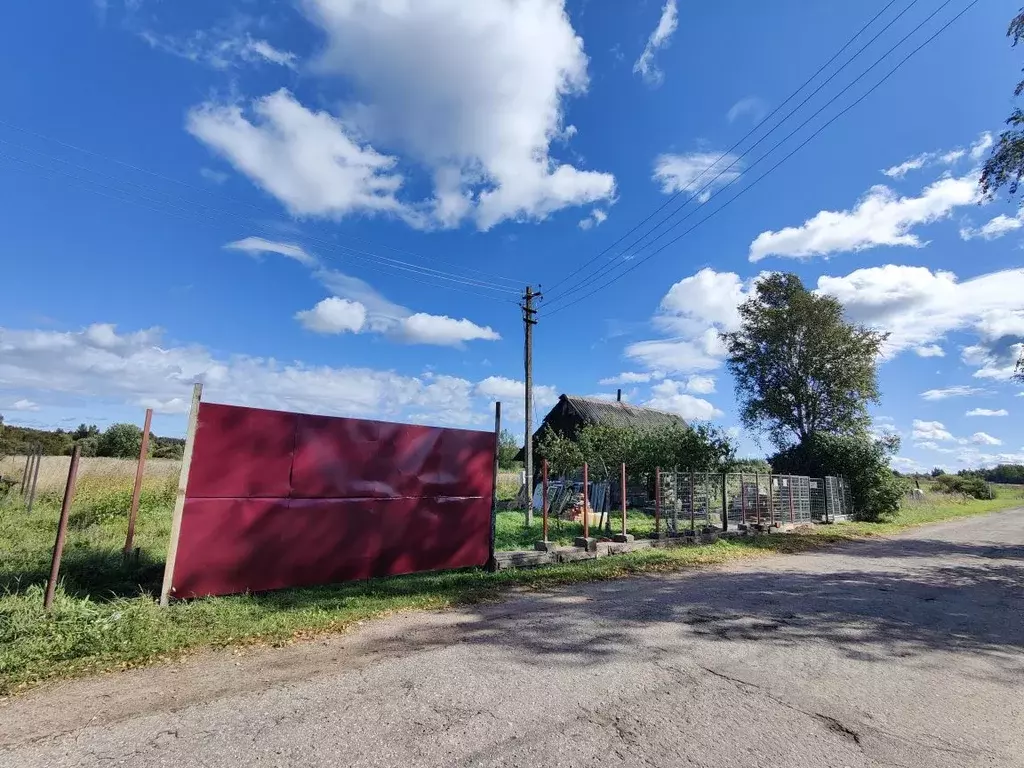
[618, 414]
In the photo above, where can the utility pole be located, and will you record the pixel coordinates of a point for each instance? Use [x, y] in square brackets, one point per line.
[529, 320]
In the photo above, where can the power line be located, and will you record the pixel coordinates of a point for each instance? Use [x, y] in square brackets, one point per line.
[804, 143]
[366, 258]
[756, 128]
[258, 209]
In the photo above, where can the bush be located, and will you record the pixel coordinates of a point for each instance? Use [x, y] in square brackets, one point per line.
[121, 441]
[169, 452]
[863, 461]
[969, 485]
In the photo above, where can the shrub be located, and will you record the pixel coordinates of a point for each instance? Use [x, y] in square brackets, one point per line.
[863, 461]
[969, 485]
[120, 441]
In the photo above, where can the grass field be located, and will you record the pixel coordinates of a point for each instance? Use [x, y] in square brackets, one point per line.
[53, 471]
[105, 616]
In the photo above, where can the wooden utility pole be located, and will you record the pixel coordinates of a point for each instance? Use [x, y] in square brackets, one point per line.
[529, 320]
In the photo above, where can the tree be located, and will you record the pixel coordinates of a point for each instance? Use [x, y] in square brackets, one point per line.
[508, 447]
[937, 471]
[800, 368]
[83, 431]
[120, 441]
[1005, 166]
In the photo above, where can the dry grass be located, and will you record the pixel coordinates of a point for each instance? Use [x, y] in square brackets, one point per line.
[112, 473]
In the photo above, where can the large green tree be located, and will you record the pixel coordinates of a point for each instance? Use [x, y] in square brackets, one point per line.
[800, 368]
[120, 441]
[1005, 166]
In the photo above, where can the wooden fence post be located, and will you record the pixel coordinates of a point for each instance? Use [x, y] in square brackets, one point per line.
[179, 501]
[35, 478]
[140, 469]
[62, 528]
[25, 474]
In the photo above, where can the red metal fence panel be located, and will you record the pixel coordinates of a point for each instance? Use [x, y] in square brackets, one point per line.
[283, 499]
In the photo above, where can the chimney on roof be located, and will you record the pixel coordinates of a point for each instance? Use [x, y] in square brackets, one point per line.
[618, 397]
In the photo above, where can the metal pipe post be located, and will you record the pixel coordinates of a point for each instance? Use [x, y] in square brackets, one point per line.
[544, 497]
[743, 498]
[725, 502]
[757, 498]
[35, 478]
[771, 501]
[623, 483]
[140, 470]
[657, 501]
[586, 492]
[792, 516]
[692, 519]
[62, 528]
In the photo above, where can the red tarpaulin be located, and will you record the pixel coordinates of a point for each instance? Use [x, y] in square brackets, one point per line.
[280, 499]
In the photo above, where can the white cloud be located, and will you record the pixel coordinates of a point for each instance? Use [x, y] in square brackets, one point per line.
[987, 412]
[993, 229]
[961, 390]
[694, 310]
[334, 315]
[131, 368]
[307, 160]
[357, 306]
[474, 91]
[981, 147]
[630, 377]
[913, 164]
[701, 385]
[23, 405]
[998, 364]
[930, 350]
[595, 218]
[930, 430]
[668, 396]
[422, 328]
[512, 394]
[220, 48]
[879, 218]
[905, 464]
[660, 38]
[694, 171]
[920, 307]
[751, 105]
[215, 177]
[982, 438]
[257, 246]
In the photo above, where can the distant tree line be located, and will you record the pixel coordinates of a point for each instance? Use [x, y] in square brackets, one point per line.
[117, 440]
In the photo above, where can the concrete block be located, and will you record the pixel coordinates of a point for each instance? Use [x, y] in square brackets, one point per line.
[622, 538]
[587, 544]
[523, 559]
[545, 546]
[574, 554]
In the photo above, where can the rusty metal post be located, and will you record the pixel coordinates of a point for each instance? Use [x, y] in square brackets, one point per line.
[586, 492]
[62, 528]
[544, 497]
[657, 501]
[623, 498]
[743, 498]
[771, 501]
[792, 516]
[140, 470]
[35, 478]
[757, 497]
[492, 563]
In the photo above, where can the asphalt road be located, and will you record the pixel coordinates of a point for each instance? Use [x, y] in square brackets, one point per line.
[902, 652]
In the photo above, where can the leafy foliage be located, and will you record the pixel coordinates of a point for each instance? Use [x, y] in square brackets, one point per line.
[508, 447]
[750, 466]
[863, 461]
[120, 441]
[967, 484]
[800, 368]
[698, 447]
[1003, 473]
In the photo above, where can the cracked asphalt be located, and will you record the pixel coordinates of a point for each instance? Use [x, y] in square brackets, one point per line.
[906, 651]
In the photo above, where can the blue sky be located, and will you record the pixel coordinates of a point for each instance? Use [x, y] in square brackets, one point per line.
[331, 205]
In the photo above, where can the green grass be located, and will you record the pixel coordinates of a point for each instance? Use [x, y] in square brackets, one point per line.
[106, 618]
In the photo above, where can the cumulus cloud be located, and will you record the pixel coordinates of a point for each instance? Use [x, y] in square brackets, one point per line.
[929, 350]
[982, 438]
[23, 405]
[993, 228]
[919, 307]
[473, 91]
[930, 430]
[694, 311]
[961, 390]
[996, 361]
[310, 161]
[692, 172]
[595, 218]
[879, 218]
[660, 38]
[142, 368]
[632, 377]
[358, 307]
[669, 395]
[987, 412]
[981, 147]
[512, 394]
[334, 315]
